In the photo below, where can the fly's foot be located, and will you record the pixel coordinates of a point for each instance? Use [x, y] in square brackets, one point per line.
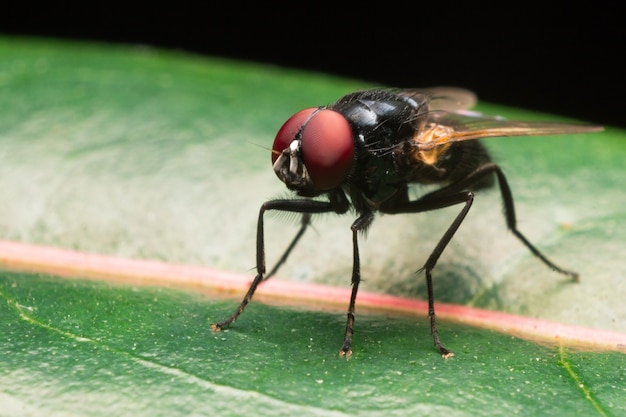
[346, 349]
[445, 353]
[345, 353]
[216, 327]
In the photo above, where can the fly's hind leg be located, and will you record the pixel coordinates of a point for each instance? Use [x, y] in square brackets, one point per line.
[511, 222]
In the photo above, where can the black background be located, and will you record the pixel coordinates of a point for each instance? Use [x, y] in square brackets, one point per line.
[563, 59]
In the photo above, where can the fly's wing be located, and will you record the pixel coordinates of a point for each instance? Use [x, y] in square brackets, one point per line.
[442, 99]
[444, 127]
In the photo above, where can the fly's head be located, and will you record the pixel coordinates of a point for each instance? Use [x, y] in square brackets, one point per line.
[313, 151]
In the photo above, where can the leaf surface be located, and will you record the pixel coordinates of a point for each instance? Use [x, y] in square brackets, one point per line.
[137, 153]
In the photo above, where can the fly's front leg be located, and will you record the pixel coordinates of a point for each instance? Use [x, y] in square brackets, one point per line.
[306, 207]
[360, 224]
[304, 223]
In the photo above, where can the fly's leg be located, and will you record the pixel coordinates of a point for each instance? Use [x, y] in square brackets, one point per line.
[439, 199]
[246, 299]
[468, 198]
[306, 207]
[305, 222]
[360, 224]
[451, 195]
[511, 222]
[509, 209]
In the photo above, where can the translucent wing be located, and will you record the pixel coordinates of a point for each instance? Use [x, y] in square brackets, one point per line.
[450, 121]
[447, 99]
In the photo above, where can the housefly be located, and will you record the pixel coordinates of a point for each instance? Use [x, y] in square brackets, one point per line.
[364, 151]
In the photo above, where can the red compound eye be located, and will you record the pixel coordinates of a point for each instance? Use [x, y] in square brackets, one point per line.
[288, 132]
[327, 145]
[327, 149]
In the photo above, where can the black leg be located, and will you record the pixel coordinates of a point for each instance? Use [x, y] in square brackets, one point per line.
[360, 224]
[511, 222]
[509, 208]
[468, 198]
[305, 222]
[453, 194]
[430, 202]
[306, 207]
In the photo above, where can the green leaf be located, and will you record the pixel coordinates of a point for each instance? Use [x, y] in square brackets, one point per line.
[138, 153]
[88, 348]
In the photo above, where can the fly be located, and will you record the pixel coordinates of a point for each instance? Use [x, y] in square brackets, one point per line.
[362, 153]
